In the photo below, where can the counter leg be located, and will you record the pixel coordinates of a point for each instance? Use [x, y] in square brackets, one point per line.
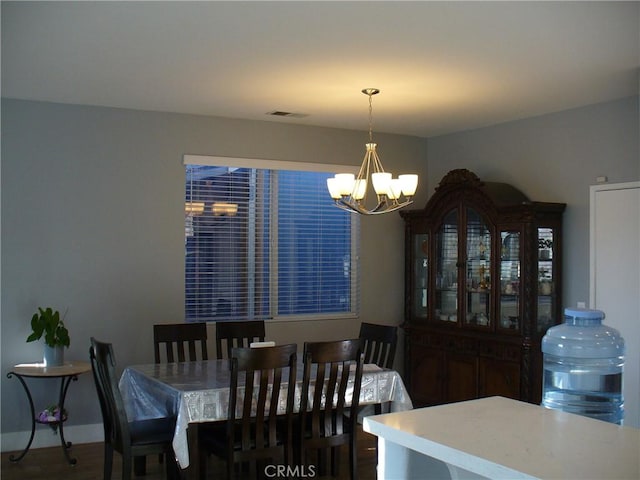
[13, 458]
[397, 461]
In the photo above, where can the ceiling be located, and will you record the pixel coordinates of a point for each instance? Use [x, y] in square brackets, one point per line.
[441, 66]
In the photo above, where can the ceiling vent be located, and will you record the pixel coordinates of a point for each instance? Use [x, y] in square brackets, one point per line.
[279, 113]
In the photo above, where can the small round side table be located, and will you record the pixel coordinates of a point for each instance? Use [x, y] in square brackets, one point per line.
[66, 373]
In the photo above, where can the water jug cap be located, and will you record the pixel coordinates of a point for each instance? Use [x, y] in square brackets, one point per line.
[585, 313]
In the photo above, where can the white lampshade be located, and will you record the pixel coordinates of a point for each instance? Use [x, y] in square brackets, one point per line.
[334, 188]
[359, 189]
[346, 182]
[395, 189]
[381, 181]
[409, 184]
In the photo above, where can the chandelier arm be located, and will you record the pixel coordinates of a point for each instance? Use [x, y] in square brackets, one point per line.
[377, 162]
[364, 168]
[356, 187]
[379, 209]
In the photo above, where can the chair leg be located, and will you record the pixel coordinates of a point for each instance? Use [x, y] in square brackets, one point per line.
[353, 455]
[253, 468]
[322, 460]
[171, 467]
[140, 466]
[126, 467]
[230, 466]
[108, 461]
[335, 461]
[203, 459]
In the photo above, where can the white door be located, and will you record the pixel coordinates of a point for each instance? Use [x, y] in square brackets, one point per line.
[615, 276]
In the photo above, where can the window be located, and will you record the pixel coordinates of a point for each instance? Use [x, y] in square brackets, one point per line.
[265, 243]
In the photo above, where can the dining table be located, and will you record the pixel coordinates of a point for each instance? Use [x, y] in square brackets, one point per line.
[198, 392]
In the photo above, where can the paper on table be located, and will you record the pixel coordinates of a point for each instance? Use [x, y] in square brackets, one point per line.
[262, 344]
[371, 367]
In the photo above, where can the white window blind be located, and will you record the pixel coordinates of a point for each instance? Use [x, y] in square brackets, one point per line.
[266, 243]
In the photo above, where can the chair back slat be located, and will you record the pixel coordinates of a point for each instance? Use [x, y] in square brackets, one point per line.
[379, 343]
[230, 335]
[174, 337]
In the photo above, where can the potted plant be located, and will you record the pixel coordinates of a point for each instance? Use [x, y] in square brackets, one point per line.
[47, 322]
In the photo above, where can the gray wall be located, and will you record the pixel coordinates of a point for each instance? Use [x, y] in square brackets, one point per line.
[92, 215]
[93, 222]
[552, 158]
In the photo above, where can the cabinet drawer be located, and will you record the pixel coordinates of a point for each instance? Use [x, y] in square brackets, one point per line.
[499, 351]
[449, 343]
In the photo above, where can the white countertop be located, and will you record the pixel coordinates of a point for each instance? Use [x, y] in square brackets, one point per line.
[501, 438]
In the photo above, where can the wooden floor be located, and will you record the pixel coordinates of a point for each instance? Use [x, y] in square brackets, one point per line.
[50, 464]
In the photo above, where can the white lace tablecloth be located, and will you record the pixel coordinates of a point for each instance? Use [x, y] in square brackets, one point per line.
[199, 392]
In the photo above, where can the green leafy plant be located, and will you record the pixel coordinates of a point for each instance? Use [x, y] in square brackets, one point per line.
[48, 323]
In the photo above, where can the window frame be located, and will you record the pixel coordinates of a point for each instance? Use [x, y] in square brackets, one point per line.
[265, 164]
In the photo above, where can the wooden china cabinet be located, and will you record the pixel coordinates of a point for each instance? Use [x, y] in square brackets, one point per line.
[483, 284]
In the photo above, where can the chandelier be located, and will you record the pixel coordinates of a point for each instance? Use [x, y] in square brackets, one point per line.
[350, 191]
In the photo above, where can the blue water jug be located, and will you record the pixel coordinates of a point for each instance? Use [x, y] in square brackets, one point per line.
[583, 365]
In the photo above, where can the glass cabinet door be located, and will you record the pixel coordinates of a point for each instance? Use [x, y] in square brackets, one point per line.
[420, 269]
[478, 271]
[446, 287]
[546, 279]
[510, 270]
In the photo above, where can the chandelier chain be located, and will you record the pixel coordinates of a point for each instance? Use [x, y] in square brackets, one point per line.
[370, 118]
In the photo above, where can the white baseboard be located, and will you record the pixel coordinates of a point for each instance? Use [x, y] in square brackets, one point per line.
[44, 437]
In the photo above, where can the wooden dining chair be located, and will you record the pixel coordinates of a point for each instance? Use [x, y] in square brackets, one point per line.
[379, 343]
[325, 423]
[132, 439]
[237, 335]
[379, 346]
[175, 336]
[256, 432]
[172, 338]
